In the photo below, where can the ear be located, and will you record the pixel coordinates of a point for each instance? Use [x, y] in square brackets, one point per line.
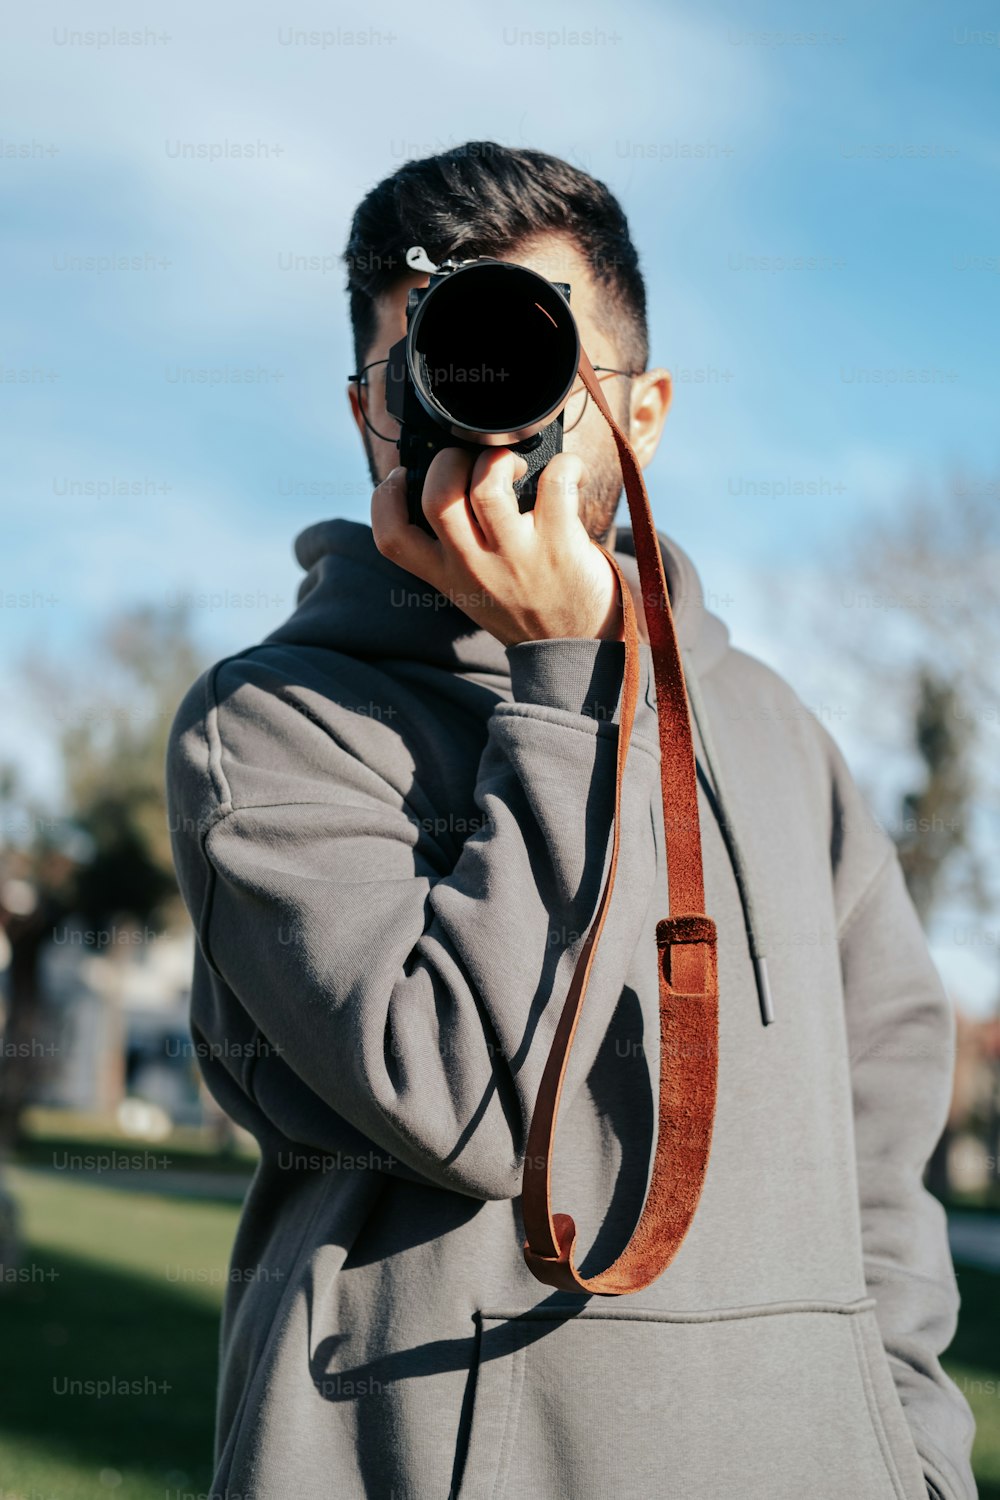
[649, 403]
[352, 396]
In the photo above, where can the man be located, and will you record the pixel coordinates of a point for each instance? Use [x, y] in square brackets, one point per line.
[393, 818]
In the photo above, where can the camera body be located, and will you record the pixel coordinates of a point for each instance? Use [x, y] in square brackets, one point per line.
[490, 355]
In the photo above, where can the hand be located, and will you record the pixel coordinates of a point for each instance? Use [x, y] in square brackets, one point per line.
[523, 576]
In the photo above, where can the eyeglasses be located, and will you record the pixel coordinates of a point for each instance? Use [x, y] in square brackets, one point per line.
[371, 400]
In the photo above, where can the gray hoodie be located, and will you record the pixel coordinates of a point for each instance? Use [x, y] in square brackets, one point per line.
[391, 833]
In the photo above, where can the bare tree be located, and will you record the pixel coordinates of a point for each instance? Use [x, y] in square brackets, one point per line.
[910, 608]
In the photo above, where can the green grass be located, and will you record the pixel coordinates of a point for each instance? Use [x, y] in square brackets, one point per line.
[984, 1201]
[110, 1297]
[973, 1362]
[52, 1134]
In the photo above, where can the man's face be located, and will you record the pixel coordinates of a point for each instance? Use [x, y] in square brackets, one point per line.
[638, 405]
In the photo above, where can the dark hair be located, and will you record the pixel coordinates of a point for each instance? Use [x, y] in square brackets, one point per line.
[486, 199]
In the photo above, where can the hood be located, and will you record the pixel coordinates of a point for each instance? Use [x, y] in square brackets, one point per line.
[356, 601]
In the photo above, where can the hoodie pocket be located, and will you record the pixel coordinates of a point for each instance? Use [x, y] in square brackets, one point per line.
[578, 1402]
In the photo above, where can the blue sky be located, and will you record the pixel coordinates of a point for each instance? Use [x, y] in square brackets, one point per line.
[860, 139]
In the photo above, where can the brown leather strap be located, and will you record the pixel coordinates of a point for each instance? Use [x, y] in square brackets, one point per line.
[686, 940]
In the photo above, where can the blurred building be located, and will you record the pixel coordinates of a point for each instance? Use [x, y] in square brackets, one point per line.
[117, 1024]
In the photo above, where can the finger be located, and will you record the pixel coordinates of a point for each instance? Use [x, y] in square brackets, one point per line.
[557, 504]
[445, 501]
[395, 535]
[492, 495]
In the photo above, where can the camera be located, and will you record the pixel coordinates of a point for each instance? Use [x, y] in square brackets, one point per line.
[491, 353]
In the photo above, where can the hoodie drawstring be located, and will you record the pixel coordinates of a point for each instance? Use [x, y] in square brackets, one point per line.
[751, 914]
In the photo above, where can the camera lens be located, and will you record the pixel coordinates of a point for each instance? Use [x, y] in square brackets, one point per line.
[493, 351]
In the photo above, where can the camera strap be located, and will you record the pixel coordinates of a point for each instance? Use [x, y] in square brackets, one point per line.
[686, 952]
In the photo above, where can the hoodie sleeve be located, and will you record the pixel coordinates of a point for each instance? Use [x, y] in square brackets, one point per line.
[417, 1001]
[900, 1031]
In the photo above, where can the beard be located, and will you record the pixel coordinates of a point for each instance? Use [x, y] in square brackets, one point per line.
[600, 496]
